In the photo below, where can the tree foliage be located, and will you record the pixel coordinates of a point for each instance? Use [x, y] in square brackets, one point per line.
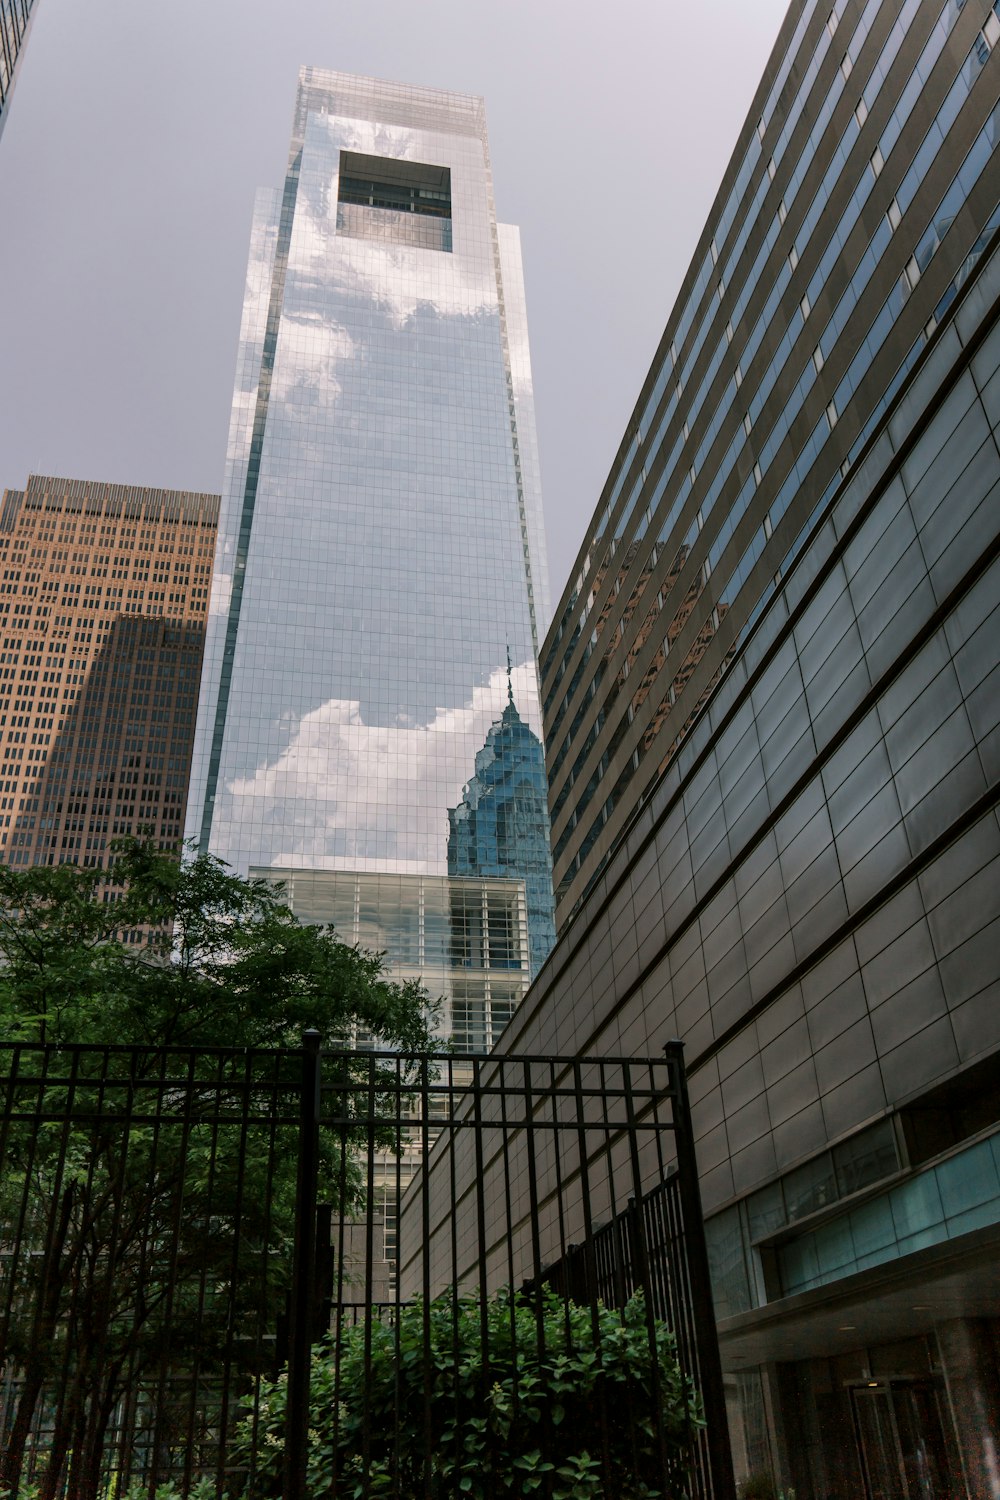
[155, 1242]
[557, 1401]
[227, 963]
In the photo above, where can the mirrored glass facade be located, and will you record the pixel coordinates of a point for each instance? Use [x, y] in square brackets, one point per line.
[860, 197]
[467, 940]
[380, 554]
[15, 17]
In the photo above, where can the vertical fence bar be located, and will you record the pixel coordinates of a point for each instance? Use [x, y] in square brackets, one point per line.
[427, 1368]
[370, 1110]
[453, 1132]
[159, 1435]
[658, 1242]
[402, 1140]
[706, 1338]
[272, 1133]
[300, 1321]
[479, 1127]
[346, 1110]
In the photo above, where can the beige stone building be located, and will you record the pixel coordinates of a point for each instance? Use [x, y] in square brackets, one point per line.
[103, 601]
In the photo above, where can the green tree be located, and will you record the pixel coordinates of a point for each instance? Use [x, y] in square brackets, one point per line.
[224, 964]
[555, 1401]
[228, 964]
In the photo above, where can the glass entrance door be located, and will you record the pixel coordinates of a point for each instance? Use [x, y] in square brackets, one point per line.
[901, 1436]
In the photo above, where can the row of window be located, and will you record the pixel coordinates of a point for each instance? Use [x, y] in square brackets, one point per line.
[13, 20]
[737, 1281]
[956, 195]
[730, 590]
[685, 321]
[834, 250]
[876, 78]
[935, 136]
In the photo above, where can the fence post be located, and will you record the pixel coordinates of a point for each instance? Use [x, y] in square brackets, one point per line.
[696, 1245]
[303, 1275]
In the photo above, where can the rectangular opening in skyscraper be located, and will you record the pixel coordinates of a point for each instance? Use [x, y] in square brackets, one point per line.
[401, 202]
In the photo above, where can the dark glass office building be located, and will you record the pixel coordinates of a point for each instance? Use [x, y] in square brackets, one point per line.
[772, 718]
[15, 17]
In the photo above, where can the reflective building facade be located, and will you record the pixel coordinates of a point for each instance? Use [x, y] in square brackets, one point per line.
[467, 939]
[501, 825]
[772, 712]
[15, 18]
[380, 546]
[870, 154]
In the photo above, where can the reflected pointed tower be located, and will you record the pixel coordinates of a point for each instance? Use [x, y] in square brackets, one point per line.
[501, 825]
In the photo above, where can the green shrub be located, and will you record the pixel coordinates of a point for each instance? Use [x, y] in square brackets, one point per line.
[760, 1485]
[535, 1412]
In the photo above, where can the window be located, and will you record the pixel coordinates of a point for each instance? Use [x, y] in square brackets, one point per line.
[405, 186]
[394, 202]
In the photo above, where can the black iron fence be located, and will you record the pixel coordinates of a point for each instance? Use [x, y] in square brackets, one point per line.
[147, 1218]
[361, 1274]
[644, 1249]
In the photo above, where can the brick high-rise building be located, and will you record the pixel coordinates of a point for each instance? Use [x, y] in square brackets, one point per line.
[103, 602]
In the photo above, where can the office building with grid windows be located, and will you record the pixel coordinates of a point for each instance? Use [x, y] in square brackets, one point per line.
[380, 581]
[15, 19]
[103, 603]
[771, 698]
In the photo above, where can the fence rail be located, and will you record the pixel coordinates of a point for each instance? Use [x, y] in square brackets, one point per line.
[366, 1273]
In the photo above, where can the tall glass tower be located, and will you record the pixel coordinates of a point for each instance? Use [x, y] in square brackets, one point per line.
[380, 544]
[15, 19]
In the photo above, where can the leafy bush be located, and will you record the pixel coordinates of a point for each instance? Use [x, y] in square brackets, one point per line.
[760, 1485]
[569, 1413]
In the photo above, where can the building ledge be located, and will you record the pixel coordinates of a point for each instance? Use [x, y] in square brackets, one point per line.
[957, 1279]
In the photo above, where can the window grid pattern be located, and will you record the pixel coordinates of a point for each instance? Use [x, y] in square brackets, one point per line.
[14, 18]
[465, 940]
[628, 640]
[765, 319]
[104, 596]
[380, 564]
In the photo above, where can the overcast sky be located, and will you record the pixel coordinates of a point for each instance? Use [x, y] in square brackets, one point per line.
[139, 130]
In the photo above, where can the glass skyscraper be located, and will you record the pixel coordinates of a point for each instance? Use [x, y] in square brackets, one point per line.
[15, 18]
[380, 546]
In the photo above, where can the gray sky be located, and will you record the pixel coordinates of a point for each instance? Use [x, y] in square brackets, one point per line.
[139, 130]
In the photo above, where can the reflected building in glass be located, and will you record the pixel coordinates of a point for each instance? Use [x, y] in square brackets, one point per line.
[380, 545]
[501, 825]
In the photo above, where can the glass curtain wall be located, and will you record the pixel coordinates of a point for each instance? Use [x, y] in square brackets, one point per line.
[381, 557]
